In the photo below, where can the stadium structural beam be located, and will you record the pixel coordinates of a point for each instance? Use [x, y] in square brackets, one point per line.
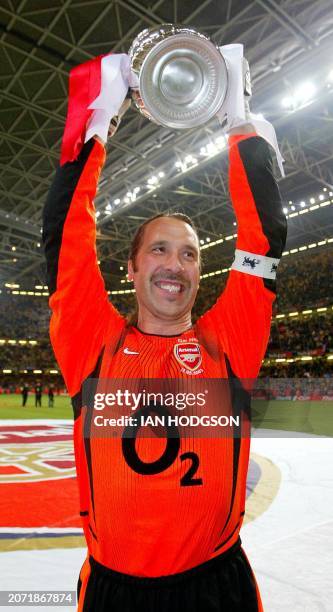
[68, 56]
[141, 11]
[286, 21]
[140, 138]
[115, 143]
[9, 219]
[296, 159]
[289, 150]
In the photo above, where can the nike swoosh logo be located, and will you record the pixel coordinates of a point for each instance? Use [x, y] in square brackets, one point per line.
[127, 351]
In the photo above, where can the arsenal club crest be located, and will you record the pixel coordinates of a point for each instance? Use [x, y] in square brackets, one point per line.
[188, 354]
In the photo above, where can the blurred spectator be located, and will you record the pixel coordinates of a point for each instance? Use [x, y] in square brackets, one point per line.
[38, 394]
[51, 396]
[25, 391]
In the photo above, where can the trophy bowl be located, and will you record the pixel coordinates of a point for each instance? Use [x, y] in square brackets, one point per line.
[183, 78]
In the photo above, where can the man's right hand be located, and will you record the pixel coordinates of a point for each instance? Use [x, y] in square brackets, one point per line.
[116, 120]
[113, 99]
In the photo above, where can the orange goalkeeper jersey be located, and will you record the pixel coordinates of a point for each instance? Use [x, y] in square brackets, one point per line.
[160, 507]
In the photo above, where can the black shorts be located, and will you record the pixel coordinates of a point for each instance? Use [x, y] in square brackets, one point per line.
[223, 584]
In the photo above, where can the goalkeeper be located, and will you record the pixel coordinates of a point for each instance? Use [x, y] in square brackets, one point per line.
[161, 518]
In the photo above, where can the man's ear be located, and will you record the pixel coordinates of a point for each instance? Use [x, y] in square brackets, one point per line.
[130, 270]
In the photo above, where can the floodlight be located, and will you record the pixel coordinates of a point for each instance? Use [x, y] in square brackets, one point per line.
[305, 92]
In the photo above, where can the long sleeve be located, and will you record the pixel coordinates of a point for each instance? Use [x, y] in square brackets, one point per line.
[242, 314]
[79, 302]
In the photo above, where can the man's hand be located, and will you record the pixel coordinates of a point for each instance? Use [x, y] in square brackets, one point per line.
[231, 123]
[113, 99]
[116, 120]
[246, 128]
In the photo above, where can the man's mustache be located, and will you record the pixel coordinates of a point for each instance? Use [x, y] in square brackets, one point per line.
[170, 276]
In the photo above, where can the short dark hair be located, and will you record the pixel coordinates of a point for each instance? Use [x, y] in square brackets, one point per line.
[139, 234]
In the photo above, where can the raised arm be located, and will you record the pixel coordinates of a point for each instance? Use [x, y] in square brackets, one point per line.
[242, 314]
[79, 302]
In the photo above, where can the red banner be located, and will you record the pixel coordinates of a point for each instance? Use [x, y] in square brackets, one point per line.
[84, 87]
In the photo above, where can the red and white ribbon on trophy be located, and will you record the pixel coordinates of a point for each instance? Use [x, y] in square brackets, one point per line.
[97, 90]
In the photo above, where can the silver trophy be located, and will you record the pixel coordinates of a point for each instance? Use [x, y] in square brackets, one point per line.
[183, 78]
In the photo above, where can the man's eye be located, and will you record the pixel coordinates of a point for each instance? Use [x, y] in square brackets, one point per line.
[158, 249]
[189, 254]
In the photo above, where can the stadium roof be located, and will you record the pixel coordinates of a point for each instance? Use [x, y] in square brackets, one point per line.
[289, 46]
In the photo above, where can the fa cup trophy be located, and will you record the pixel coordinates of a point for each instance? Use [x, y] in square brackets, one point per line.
[182, 76]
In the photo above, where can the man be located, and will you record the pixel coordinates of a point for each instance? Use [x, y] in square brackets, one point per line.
[38, 394]
[162, 527]
[25, 392]
[50, 394]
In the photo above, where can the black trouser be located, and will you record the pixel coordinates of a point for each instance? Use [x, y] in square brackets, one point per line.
[223, 584]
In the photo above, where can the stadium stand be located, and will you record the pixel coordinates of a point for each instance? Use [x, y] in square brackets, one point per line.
[23, 316]
[299, 346]
[302, 282]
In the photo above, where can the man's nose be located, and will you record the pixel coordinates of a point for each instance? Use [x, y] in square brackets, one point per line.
[174, 261]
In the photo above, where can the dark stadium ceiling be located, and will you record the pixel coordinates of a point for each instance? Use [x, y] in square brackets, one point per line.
[287, 43]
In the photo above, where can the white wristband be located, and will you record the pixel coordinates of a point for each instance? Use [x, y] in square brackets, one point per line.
[257, 265]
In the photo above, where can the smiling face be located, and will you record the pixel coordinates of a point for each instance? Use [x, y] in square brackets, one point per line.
[166, 272]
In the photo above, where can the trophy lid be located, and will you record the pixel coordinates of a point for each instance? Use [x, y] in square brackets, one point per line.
[182, 75]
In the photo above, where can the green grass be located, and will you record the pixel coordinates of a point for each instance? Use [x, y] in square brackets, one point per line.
[303, 416]
[313, 417]
[11, 408]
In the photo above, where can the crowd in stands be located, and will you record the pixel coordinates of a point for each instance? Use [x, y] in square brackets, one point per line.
[311, 334]
[299, 387]
[28, 357]
[303, 283]
[23, 317]
[316, 368]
